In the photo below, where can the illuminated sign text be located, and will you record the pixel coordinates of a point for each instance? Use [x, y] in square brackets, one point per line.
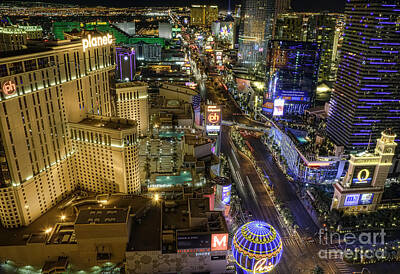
[219, 242]
[96, 41]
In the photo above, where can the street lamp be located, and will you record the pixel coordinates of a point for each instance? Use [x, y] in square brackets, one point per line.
[156, 197]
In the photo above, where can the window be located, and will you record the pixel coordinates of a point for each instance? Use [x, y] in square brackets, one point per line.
[15, 68]
[30, 65]
[43, 62]
[3, 70]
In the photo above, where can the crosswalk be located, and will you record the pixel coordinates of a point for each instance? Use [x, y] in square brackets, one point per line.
[336, 257]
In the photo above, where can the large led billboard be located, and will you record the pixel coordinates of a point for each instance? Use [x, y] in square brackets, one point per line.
[193, 243]
[279, 105]
[358, 199]
[351, 200]
[362, 176]
[213, 119]
[226, 194]
[366, 199]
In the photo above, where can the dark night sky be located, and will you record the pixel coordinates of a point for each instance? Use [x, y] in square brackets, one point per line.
[298, 5]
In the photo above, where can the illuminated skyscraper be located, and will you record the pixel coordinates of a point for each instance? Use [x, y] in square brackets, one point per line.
[293, 76]
[48, 144]
[202, 15]
[322, 28]
[255, 30]
[125, 64]
[282, 6]
[366, 95]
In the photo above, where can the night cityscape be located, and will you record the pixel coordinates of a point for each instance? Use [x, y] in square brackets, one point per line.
[232, 136]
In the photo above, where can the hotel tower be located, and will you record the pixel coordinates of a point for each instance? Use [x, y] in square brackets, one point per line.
[56, 129]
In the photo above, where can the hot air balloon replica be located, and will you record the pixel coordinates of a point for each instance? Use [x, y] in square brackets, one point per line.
[256, 247]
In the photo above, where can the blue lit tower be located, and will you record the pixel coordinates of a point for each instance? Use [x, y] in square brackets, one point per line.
[256, 247]
[366, 96]
[293, 76]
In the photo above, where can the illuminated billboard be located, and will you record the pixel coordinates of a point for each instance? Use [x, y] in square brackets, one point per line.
[96, 41]
[358, 199]
[366, 199]
[219, 241]
[362, 176]
[213, 119]
[226, 194]
[193, 243]
[351, 200]
[278, 107]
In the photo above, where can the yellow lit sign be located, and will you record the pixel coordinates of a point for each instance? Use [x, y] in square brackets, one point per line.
[360, 176]
[96, 41]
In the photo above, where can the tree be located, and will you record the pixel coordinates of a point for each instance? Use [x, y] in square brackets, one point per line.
[318, 270]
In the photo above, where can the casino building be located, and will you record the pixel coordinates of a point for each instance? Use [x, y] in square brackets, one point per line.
[363, 186]
[46, 91]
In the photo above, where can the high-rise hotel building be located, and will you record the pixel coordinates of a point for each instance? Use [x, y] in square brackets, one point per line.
[255, 31]
[366, 96]
[132, 103]
[44, 92]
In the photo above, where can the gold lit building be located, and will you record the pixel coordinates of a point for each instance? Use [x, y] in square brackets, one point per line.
[362, 187]
[132, 103]
[46, 90]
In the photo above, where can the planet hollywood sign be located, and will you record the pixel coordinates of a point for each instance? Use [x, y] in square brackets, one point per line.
[97, 41]
[9, 87]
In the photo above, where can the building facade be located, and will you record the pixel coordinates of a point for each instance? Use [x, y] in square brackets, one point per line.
[147, 52]
[43, 95]
[106, 158]
[366, 95]
[305, 166]
[322, 28]
[12, 38]
[363, 186]
[255, 30]
[132, 103]
[203, 15]
[293, 77]
[125, 63]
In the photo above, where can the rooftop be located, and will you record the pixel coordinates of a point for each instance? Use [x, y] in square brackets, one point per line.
[130, 84]
[113, 123]
[146, 231]
[102, 216]
[53, 226]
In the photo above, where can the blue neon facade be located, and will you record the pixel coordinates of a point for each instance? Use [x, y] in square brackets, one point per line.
[293, 75]
[255, 242]
[366, 96]
[303, 165]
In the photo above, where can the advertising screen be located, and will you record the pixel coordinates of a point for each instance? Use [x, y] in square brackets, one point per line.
[362, 176]
[226, 194]
[213, 119]
[351, 200]
[359, 199]
[366, 199]
[193, 242]
[278, 107]
[219, 241]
